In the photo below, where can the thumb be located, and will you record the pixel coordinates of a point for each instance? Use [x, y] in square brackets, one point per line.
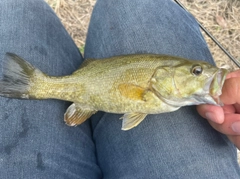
[211, 112]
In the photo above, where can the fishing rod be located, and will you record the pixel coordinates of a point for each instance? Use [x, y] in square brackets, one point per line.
[211, 36]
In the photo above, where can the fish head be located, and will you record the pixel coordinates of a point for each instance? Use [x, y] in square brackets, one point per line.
[188, 83]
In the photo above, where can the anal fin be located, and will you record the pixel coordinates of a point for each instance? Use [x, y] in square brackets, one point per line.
[131, 120]
[75, 115]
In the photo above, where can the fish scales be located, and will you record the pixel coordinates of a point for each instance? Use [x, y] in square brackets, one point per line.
[133, 85]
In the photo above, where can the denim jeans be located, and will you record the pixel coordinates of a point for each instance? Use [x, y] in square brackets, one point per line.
[36, 144]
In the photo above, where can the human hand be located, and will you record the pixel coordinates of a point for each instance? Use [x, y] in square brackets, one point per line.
[226, 119]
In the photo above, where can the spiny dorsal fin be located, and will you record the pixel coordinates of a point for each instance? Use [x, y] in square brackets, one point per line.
[131, 120]
[75, 115]
[131, 91]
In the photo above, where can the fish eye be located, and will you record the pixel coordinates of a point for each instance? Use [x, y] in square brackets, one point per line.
[196, 70]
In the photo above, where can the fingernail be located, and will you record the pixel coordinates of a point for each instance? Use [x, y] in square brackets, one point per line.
[236, 127]
[211, 116]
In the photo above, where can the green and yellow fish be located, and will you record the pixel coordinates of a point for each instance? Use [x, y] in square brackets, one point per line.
[133, 85]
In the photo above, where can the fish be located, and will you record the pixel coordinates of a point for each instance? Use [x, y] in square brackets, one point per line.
[134, 85]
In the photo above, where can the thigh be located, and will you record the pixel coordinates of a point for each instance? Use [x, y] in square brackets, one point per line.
[130, 27]
[180, 144]
[34, 141]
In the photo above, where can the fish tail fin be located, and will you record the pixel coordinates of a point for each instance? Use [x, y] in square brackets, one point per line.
[17, 74]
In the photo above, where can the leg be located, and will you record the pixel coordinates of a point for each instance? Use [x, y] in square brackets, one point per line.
[173, 145]
[34, 141]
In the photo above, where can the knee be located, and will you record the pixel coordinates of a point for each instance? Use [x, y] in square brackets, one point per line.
[17, 5]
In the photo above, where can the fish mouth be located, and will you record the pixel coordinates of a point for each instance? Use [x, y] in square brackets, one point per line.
[215, 84]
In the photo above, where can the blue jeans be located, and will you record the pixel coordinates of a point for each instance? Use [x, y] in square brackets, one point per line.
[36, 144]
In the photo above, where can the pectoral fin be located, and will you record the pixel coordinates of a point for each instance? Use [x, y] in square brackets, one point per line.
[131, 120]
[131, 91]
[76, 115]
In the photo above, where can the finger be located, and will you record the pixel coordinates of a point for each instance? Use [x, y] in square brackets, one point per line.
[233, 74]
[211, 112]
[229, 109]
[230, 126]
[235, 139]
[231, 91]
[237, 108]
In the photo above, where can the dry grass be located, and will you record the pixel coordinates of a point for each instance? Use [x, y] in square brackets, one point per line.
[75, 16]
[220, 17]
